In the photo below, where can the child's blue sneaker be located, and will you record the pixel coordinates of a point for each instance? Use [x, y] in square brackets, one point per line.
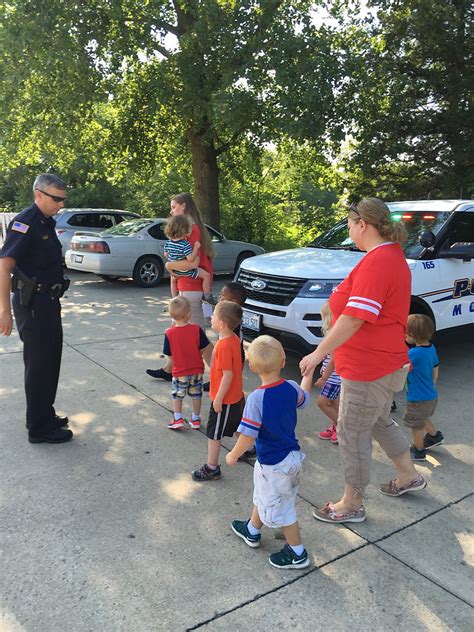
[239, 527]
[287, 558]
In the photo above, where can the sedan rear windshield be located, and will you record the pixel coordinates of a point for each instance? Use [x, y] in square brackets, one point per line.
[337, 237]
[129, 227]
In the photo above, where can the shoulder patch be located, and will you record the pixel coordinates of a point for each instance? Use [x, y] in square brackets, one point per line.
[19, 227]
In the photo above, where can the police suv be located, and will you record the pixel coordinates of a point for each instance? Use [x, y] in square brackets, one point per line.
[286, 289]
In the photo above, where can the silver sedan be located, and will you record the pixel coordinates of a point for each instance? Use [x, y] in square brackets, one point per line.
[134, 249]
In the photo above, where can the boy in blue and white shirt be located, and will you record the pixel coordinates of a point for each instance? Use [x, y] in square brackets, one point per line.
[270, 418]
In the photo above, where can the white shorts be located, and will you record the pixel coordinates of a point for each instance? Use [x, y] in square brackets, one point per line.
[275, 489]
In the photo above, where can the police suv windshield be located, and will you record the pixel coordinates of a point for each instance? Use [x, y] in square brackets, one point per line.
[129, 227]
[337, 237]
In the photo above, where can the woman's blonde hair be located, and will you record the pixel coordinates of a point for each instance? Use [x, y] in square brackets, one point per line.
[265, 354]
[326, 317]
[192, 210]
[375, 212]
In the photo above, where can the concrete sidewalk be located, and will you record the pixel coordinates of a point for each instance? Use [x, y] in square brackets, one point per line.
[109, 532]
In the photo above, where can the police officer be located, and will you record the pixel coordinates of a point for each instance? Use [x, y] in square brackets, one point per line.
[32, 252]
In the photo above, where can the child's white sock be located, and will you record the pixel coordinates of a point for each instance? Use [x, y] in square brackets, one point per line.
[212, 467]
[178, 416]
[298, 549]
[252, 529]
[196, 417]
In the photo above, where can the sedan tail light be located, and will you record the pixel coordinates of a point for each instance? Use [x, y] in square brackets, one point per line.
[99, 247]
[60, 231]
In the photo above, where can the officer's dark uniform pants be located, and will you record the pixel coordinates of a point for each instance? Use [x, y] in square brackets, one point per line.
[41, 332]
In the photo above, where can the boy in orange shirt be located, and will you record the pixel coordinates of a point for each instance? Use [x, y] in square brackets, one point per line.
[226, 391]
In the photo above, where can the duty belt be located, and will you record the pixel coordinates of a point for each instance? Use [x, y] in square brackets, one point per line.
[54, 291]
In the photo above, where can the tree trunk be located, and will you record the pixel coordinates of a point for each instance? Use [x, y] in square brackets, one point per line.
[206, 178]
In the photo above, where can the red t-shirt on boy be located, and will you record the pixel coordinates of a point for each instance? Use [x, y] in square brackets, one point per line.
[377, 290]
[184, 345]
[188, 284]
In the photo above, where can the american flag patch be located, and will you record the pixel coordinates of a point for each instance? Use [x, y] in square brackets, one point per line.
[19, 227]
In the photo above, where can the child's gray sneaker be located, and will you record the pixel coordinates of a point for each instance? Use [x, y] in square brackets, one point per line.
[240, 528]
[287, 558]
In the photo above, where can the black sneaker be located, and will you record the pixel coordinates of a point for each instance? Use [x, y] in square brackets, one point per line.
[417, 455]
[56, 435]
[206, 387]
[160, 374]
[240, 528]
[287, 558]
[250, 455]
[431, 441]
[205, 473]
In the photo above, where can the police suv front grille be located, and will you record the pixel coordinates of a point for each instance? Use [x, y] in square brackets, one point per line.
[278, 290]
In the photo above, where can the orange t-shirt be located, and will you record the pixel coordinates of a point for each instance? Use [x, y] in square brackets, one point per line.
[187, 283]
[227, 357]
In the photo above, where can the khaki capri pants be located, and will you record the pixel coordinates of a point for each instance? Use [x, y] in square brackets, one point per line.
[364, 412]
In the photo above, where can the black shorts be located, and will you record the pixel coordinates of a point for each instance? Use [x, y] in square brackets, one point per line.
[225, 423]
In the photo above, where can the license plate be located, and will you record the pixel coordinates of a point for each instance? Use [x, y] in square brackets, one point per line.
[251, 320]
[78, 258]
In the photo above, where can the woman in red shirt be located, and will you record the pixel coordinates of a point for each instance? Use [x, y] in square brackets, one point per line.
[370, 311]
[184, 204]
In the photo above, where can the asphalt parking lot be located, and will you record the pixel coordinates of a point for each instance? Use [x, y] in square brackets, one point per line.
[109, 533]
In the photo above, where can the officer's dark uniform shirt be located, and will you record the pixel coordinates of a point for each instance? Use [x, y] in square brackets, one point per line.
[32, 241]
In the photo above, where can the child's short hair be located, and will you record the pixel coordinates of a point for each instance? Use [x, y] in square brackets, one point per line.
[178, 226]
[420, 327]
[265, 354]
[237, 291]
[178, 307]
[230, 313]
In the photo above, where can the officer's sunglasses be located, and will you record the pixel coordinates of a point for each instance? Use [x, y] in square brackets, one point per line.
[55, 198]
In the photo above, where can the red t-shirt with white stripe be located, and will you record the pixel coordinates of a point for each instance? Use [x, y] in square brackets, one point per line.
[377, 290]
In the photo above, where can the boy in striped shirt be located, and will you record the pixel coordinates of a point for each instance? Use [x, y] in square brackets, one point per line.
[270, 418]
[178, 228]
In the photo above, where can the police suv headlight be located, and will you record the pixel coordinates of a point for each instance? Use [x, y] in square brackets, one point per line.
[318, 288]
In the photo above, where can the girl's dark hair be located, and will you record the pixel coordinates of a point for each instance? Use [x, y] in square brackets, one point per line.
[192, 210]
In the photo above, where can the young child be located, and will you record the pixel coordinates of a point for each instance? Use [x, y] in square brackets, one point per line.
[227, 396]
[186, 344]
[422, 395]
[329, 383]
[270, 418]
[178, 228]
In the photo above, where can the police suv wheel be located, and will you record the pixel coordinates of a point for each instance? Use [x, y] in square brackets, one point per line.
[148, 272]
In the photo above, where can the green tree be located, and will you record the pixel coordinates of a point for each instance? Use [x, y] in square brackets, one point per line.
[407, 104]
[235, 70]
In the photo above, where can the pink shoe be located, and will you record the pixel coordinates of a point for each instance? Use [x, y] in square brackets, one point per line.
[334, 437]
[327, 434]
[176, 424]
[194, 423]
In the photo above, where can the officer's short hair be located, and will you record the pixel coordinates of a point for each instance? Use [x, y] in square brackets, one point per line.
[48, 180]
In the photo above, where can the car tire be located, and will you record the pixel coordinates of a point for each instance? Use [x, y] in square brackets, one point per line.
[148, 271]
[242, 256]
[109, 277]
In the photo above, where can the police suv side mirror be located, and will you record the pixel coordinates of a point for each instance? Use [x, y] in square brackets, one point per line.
[427, 239]
[460, 250]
